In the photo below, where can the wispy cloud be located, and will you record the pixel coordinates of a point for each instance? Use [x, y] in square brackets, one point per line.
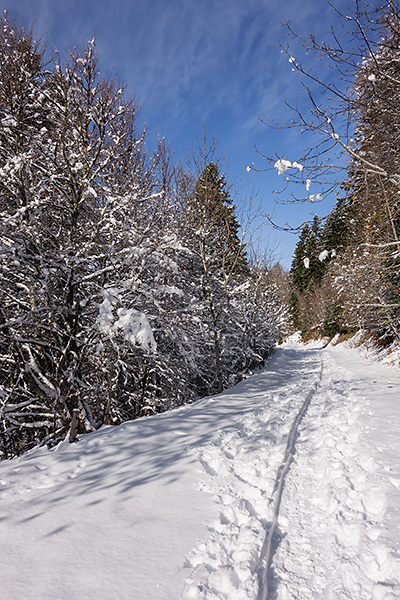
[182, 56]
[194, 61]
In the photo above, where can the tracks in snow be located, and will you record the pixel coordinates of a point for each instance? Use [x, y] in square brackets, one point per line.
[302, 501]
[246, 466]
[269, 545]
[334, 510]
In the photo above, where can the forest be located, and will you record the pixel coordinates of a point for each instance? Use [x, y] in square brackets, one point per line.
[127, 283]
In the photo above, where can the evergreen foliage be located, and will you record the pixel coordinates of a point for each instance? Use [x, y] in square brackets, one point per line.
[307, 268]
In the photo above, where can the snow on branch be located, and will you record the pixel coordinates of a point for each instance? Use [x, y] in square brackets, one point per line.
[133, 323]
[282, 165]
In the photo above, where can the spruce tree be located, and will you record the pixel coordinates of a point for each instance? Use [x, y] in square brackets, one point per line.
[221, 257]
[307, 268]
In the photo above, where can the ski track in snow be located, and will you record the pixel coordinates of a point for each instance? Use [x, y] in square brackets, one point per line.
[334, 507]
[243, 463]
[328, 541]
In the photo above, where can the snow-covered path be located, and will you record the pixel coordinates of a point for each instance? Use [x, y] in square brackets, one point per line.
[337, 534]
[340, 518]
[183, 505]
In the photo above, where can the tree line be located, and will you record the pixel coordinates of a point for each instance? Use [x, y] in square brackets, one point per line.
[346, 267]
[126, 287]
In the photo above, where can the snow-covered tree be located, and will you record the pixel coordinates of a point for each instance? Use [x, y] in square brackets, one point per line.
[124, 284]
[65, 228]
[220, 257]
[351, 114]
[263, 318]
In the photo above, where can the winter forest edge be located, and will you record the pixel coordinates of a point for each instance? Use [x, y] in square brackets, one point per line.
[127, 284]
[346, 270]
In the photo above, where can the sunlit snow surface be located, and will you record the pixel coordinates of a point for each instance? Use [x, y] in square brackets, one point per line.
[178, 506]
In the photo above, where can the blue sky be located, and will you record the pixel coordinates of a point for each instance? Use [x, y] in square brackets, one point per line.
[194, 63]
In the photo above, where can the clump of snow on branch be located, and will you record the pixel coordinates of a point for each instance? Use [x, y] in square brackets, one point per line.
[315, 197]
[306, 262]
[283, 165]
[136, 328]
[106, 317]
[323, 256]
[133, 323]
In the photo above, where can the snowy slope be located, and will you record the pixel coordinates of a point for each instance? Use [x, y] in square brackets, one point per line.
[286, 486]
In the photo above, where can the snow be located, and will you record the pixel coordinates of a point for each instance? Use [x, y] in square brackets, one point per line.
[315, 197]
[133, 324]
[323, 255]
[136, 328]
[296, 165]
[283, 165]
[182, 505]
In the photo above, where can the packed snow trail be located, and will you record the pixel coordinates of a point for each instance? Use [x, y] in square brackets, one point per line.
[330, 534]
[267, 550]
[244, 462]
[340, 516]
[180, 505]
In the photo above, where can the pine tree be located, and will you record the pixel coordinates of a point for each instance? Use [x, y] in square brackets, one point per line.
[307, 268]
[220, 256]
[213, 215]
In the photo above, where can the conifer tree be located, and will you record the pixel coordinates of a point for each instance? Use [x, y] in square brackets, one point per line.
[307, 268]
[221, 256]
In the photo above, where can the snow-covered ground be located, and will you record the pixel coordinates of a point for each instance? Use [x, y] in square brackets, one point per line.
[284, 487]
